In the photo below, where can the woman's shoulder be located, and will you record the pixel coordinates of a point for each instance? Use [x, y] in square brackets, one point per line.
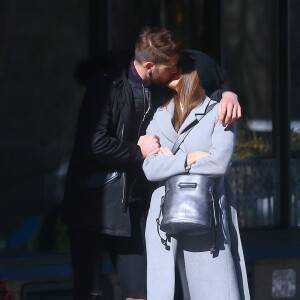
[207, 106]
[167, 108]
[161, 117]
[209, 109]
[213, 114]
[208, 101]
[213, 106]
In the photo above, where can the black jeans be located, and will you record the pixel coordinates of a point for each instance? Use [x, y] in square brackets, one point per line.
[128, 256]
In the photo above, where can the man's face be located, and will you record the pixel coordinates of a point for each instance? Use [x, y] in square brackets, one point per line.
[174, 83]
[164, 73]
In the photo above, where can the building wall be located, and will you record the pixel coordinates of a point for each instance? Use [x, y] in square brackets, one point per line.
[41, 44]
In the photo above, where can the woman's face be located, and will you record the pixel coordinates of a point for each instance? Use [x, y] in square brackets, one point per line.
[173, 84]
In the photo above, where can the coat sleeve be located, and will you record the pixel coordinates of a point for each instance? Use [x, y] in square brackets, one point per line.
[161, 167]
[220, 153]
[96, 136]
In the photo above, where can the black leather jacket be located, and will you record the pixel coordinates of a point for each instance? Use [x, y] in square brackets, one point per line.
[96, 190]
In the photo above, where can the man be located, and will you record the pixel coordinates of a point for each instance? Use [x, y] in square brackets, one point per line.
[106, 195]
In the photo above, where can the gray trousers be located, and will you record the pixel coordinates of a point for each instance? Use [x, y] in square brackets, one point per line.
[203, 276]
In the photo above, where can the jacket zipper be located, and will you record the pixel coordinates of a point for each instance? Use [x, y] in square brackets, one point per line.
[123, 175]
[147, 111]
[138, 135]
[124, 188]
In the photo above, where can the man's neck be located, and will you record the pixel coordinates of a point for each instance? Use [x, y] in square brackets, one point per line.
[141, 71]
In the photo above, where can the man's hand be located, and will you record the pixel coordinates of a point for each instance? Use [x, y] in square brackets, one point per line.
[229, 108]
[194, 156]
[149, 145]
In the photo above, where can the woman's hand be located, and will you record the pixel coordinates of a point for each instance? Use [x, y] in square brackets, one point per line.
[164, 151]
[194, 156]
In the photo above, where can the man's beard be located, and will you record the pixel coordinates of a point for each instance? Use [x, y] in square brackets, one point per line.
[157, 81]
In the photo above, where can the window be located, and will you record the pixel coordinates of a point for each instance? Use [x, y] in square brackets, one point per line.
[294, 89]
[249, 56]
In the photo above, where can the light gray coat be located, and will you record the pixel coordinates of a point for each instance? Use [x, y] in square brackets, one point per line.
[204, 277]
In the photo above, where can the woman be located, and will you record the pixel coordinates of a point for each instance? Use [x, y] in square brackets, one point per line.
[207, 150]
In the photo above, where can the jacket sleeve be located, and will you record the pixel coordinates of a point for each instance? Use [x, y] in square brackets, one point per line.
[220, 153]
[96, 133]
[161, 167]
[217, 95]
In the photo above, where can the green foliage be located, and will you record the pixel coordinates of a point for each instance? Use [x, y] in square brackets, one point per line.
[295, 140]
[248, 144]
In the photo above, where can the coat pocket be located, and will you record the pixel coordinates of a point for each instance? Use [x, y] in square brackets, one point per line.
[99, 179]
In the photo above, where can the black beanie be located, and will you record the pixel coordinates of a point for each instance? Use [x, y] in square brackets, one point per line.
[211, 75]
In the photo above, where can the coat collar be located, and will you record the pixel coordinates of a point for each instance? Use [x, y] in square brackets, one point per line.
[195, 113]
[165, 122]
[166, 114]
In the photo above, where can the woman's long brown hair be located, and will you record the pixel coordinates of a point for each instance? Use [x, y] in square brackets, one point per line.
[190, 93]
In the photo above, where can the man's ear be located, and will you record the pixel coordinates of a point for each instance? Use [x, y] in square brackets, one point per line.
[148, 65]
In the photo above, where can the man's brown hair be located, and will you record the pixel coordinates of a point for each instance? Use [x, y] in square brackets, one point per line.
[156, 45]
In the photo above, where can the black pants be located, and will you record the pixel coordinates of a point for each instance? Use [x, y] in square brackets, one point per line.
[127, 254]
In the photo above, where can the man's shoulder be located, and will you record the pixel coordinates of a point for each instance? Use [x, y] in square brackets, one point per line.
[102, 89]
[106, 79]
[105, 86]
